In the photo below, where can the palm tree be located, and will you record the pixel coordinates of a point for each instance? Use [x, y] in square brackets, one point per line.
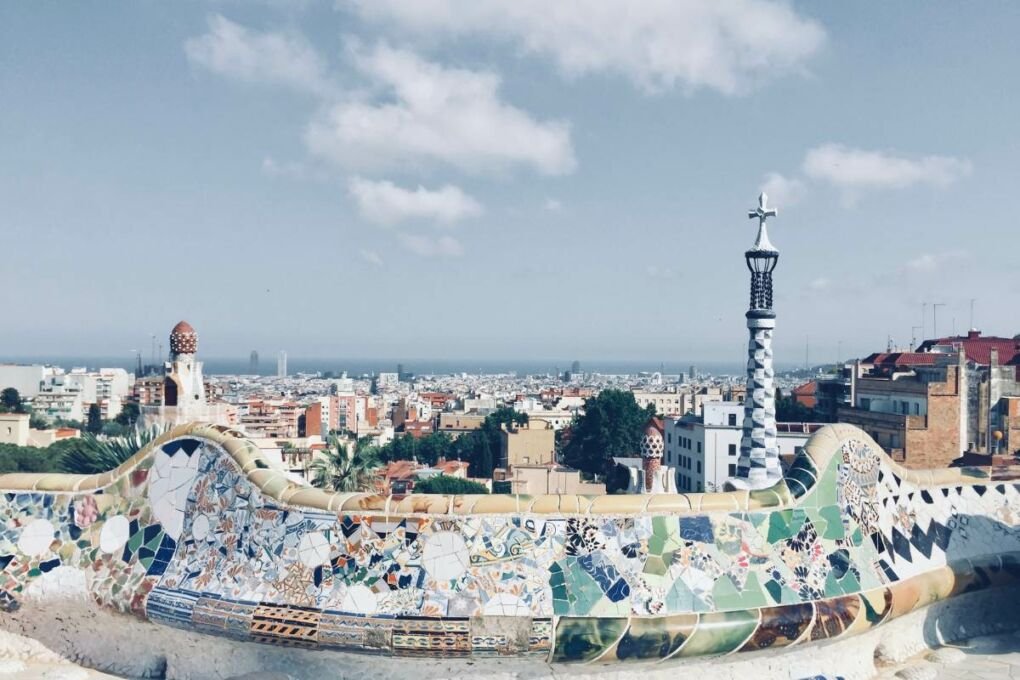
[91, 454]
[338, 469]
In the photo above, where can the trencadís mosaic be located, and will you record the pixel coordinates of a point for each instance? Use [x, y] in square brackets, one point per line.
[196, 532]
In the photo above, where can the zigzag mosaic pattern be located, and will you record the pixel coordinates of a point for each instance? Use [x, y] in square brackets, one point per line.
[759, 447]
[196, 534]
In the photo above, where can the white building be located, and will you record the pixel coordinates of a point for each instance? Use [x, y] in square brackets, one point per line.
[27, 379]
[60, 398]
[666, 403]
[704, 450]
[281, 364]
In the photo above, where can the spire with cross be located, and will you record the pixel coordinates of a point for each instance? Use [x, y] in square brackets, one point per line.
[758, 466]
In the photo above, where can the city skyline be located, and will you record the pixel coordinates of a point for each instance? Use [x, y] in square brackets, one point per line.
[199, 163]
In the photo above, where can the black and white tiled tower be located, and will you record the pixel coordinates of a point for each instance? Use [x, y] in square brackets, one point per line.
[758, 466]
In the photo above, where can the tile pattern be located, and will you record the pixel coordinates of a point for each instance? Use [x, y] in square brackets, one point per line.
[759, 463]
[197, 534]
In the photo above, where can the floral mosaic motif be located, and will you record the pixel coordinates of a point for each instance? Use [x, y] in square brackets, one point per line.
[185, 538]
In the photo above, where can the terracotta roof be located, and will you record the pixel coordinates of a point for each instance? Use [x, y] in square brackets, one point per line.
[808, 389]
[979, 348]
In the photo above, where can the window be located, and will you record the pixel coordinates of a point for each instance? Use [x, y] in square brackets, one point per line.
[699, 486]
[733, 420]
[865, 403]
[732, 450]
[917, 409]
[733, 470]
[699, 467]
[699, 447]
[669, 437]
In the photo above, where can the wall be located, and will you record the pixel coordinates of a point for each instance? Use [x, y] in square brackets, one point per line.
[14, 428]
[199, 533]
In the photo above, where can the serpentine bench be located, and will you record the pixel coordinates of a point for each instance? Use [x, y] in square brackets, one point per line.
[198, 531]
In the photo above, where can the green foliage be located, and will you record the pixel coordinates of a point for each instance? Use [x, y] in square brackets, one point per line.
[449, 485]
[612, 426]
[480, 448]
[90, 454]
[10, 401]
[115, 429]
[336, 469]
[38, 422]
[94, 422]
[128, 415]
[788, 410]
[30, 458]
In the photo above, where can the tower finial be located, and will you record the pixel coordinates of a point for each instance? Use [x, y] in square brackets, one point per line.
[763, 212]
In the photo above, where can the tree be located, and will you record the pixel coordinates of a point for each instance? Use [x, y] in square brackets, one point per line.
[10, 401]
[129, 414]
[449, 485]
[612, 426]
[337, 469]
[789, 410]
[94, 422]
[89, 455]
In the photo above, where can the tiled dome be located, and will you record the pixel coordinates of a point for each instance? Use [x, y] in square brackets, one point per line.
[653, 443]
[183, 339]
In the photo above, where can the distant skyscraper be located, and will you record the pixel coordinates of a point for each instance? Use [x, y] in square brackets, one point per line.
[253, 363]
[575, 367]
[692, 373]
[281, 365]
[400, 371]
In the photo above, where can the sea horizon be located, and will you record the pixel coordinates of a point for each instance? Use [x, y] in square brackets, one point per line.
[355, 367]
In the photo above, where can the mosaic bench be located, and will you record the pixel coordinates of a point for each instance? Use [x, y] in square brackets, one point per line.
[198, 531]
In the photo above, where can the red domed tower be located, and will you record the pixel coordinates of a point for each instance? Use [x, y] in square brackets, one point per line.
[652, 446]
[183, 339]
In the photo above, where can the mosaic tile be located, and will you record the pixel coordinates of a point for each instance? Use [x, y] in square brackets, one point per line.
[186, 539]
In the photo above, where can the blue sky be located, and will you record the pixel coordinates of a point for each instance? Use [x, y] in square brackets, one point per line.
[482, 179]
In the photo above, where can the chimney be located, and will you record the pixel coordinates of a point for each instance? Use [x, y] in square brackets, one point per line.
[651, 466]
[993, 357]
[973, 334]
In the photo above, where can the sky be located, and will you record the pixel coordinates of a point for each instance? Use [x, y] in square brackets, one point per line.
[483, 179]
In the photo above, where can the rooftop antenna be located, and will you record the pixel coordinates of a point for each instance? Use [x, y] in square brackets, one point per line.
[935, 318]
[888, 343]
[154, 349]
[924, 313]
[913, 336]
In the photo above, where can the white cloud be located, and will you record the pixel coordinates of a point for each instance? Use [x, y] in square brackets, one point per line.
[782, 191]
[232, 50]
[385, 203]
[855, 170]
[820, 284]
[434, 114]
[926, 263]
[726, 45]
[427, 246]
[371, 257]
[552, 205]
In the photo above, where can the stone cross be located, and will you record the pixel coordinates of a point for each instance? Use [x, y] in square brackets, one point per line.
[762, 212]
